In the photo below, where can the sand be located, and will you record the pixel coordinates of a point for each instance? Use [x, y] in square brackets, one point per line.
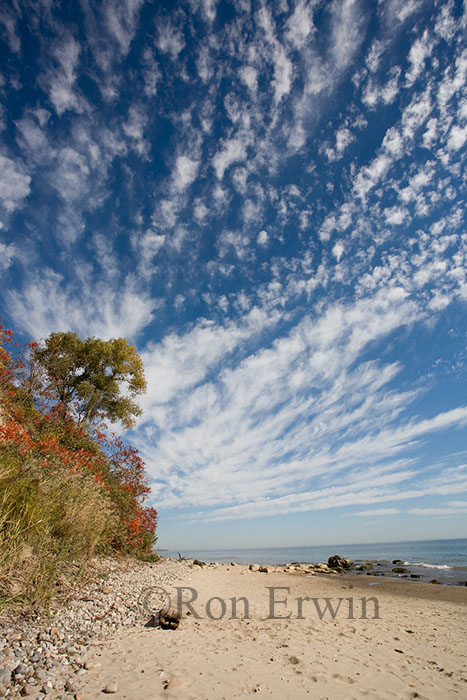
[415, 648]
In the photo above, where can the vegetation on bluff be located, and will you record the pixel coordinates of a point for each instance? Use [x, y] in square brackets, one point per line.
[68, 488]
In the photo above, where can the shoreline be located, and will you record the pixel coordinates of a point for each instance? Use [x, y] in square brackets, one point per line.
[102, 638]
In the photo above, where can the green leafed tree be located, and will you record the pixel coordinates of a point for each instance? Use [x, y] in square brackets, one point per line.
[86, 377]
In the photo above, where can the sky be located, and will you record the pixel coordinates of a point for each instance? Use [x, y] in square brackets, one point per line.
[266, 198]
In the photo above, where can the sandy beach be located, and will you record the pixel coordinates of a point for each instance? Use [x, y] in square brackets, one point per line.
[409, 643]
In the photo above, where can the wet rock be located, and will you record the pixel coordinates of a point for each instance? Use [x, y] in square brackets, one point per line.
[400, 570]
[397, 561]
[415, 576]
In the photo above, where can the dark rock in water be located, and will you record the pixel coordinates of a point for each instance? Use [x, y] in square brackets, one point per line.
[336, 562]
[197, 562]
[169, 619]
[397, 561]
[364, 567]
[415, 576]
[435, 581]
[400, 570]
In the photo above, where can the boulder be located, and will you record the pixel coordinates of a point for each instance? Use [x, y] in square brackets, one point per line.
[336, 562]
[397, 561]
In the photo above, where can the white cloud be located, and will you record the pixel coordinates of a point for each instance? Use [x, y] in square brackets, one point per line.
[457, 137]
[262, 238]
[62, 78]
[233, 151]
[185, 172]
[48, 303]
[14, 184]
[169, 39]
[7, 254]
[375, 512]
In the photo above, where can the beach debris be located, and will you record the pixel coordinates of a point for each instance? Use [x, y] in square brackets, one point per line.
[110, 688]
[169, 619]
[153, 621]
[338, 562]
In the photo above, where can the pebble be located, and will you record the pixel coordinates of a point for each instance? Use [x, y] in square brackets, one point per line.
[49, 645]
[111, 687]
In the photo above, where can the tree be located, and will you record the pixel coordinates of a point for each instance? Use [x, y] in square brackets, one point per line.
[84, 377]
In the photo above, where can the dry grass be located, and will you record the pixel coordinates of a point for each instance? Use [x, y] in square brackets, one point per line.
[48, 516]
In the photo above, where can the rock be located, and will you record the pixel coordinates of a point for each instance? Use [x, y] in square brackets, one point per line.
[415, 576]
[197, 562]
[28, 689]
[79, 695]
[293, 660]
[434, 581]
[2, 690]
[169, 618]
[176, 682]
[364, 567]
[337, 561]
[263, 569]
[400, 570]
[110, 688]
[21, 670]
[253, 567]
[232, 563]
[92, 665]
[397, 561]
[5, 675]
[70, 686]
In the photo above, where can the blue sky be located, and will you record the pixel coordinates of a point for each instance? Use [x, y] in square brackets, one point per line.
[267, 199]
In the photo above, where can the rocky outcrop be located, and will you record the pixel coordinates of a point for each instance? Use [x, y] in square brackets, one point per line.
[338, 562]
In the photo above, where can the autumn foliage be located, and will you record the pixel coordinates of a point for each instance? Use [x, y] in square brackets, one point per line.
[65, 492]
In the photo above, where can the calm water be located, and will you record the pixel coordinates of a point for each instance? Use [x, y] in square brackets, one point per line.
[444, 560]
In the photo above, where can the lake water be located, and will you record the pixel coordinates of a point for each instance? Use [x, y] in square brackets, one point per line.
[444, 560]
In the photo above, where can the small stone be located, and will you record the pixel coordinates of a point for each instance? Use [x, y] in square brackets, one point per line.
[263, 570]
[111, 687]
[293, 660]
[70, 687]
[5, 675]
[92, 665]
[79, 695]
[28, 689]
